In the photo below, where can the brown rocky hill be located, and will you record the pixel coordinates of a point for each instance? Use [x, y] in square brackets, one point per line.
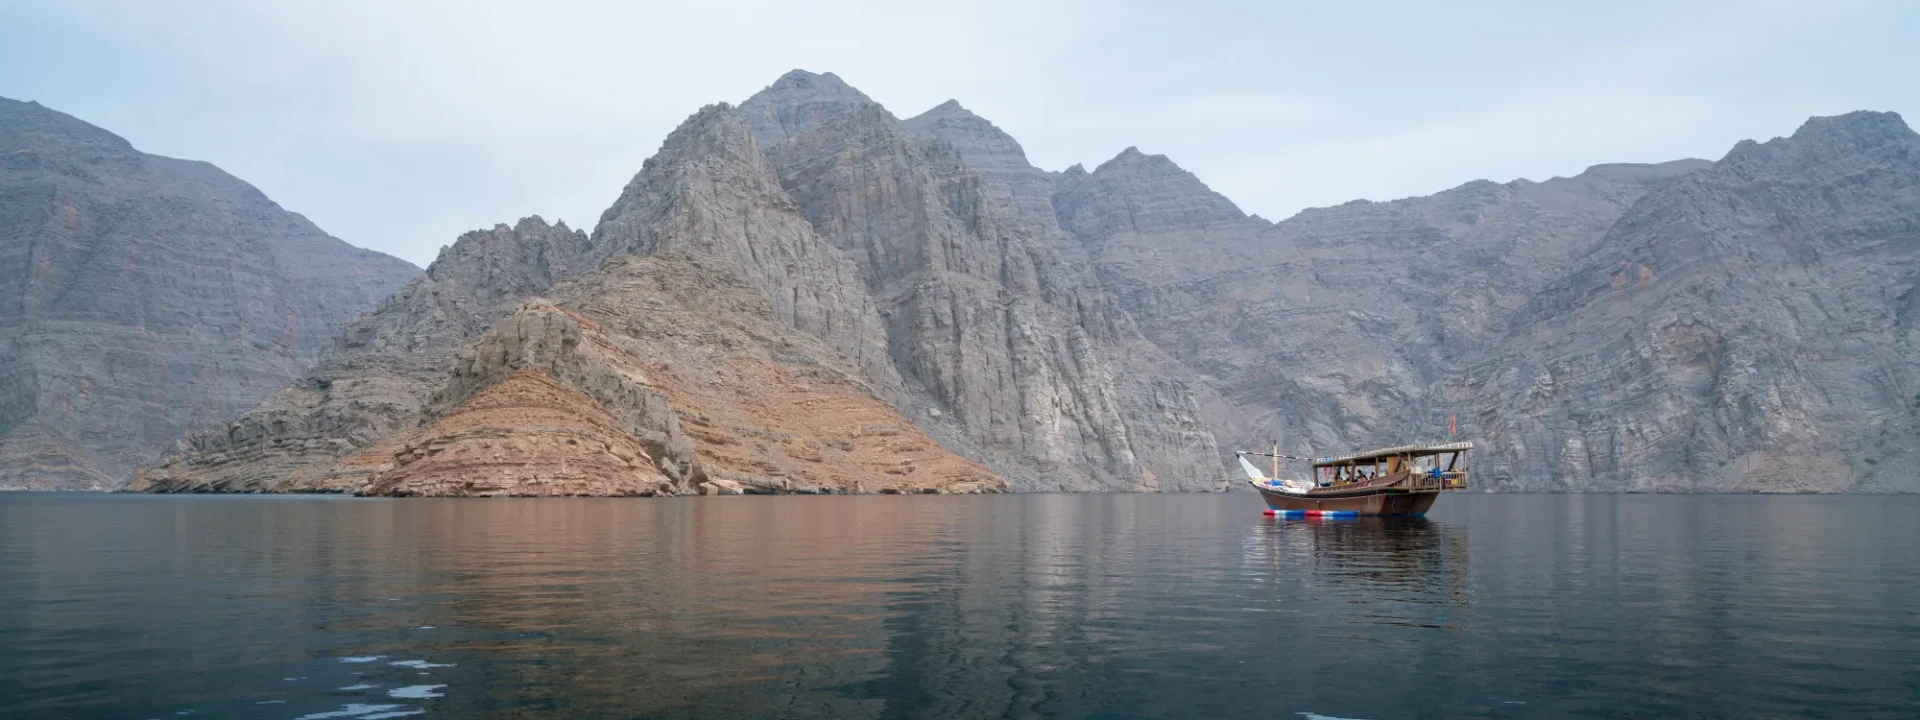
[920, 287]
[142, 297]
[719, 339]
[807, 293]
[377, 377]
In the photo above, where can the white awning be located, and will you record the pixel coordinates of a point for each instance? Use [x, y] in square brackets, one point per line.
[1422, 449]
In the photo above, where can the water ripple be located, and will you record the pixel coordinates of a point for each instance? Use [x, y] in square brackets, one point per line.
[1031, 606]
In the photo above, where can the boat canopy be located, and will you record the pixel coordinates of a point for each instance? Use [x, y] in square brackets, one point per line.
[1370, 456]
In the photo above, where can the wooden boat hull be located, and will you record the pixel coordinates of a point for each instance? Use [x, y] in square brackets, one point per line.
[1375, 501]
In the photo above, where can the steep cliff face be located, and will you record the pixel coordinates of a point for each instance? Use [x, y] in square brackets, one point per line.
[713, 306]
[806, 293]
[374, 381]
[1746, 328]
[1331, 329]
[711, 196]
[1689, 326]
[1043, 375]
[143, 296]
[1018, 191]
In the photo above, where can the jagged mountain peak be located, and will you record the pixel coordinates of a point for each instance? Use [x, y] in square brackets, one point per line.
[703, 246]
[715, 145]
[717, 129]
[950, 118]
[801, 101]
[980, 142]
[802, 81]
[1141, 192]
[951, 109]
[1848, 139]
[1859, 124]
[535, 222]
[528, 235]
[1133, 162]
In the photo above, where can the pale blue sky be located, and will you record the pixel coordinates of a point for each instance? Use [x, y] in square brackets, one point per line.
[398, 128]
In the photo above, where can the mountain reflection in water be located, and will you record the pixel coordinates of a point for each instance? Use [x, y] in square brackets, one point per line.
[1110, 606]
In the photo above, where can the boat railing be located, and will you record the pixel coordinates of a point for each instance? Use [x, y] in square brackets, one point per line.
[1446, 480]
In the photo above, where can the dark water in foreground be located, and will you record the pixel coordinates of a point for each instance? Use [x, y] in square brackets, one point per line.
[1120, 606]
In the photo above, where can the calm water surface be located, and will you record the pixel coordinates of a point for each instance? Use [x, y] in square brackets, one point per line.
[1048, 606]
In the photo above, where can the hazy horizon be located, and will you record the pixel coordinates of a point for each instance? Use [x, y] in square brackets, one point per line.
[399, 128]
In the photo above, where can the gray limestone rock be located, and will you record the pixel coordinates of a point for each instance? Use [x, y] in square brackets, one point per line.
[1742, 325]
[933, 269]
[1688, 326]
[1329, 330]
[374, 381]
[711, 195]
[1747, 328]
[1141, 194]
[142, 297]
[1041, 373]
[798, 103]
[710, 220]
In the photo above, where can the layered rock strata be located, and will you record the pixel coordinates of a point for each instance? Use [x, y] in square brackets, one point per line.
[714, 305]
[806, 293]
[1043, 376]
[1747, 328]
[142, 297]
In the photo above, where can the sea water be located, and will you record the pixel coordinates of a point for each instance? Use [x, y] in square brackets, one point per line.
[1023, 606]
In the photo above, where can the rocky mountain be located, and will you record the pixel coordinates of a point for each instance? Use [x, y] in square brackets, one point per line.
[703, 337]
[375, 380]
[1331, 329]
[1008, 338]
[1749, 327]
[143, 296]
[919, 283]
[807, 293]
[1689, 326]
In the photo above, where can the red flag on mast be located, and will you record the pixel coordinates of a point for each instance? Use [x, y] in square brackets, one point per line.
[1450, 425]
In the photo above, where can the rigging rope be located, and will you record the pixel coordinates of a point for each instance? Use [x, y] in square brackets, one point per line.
[1276, 455]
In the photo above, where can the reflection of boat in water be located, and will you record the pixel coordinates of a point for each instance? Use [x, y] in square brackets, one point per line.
[1406, 558]
[1403, 480]
[1361, 539]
